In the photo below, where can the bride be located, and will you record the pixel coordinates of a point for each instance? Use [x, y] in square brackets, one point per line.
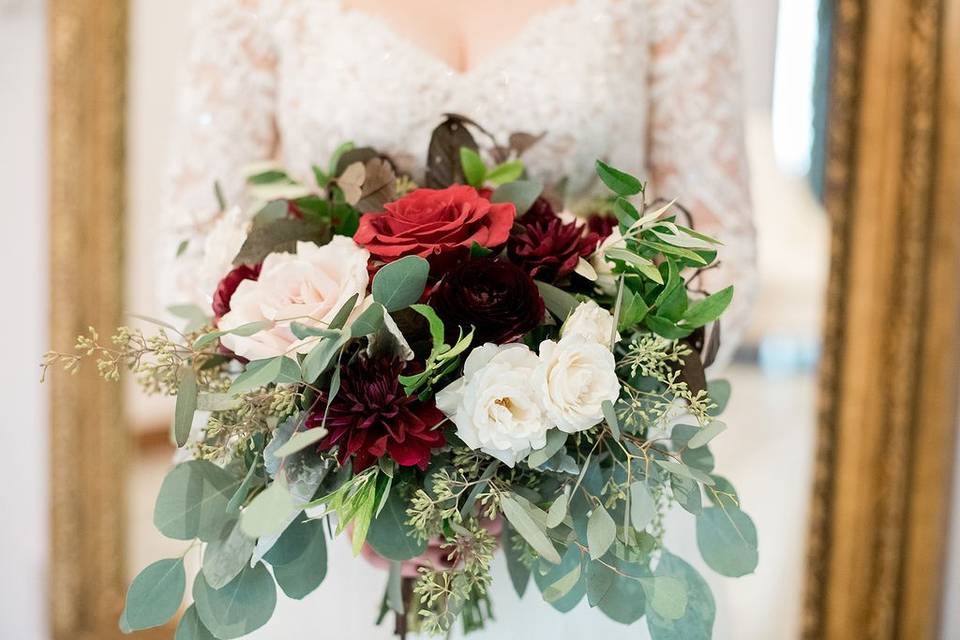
[651, 86]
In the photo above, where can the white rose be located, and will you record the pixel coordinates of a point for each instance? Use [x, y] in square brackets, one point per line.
[220, 248]
[606, 278]
[591, 321]
[308, 287]
[573, 379]
[494, 405]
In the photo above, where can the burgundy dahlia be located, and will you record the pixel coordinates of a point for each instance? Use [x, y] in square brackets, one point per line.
[499, 299]
[371, 417]
[602, 225]
[547, 247]
[228, 286]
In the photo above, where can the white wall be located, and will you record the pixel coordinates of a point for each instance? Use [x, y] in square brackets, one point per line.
[23, 277]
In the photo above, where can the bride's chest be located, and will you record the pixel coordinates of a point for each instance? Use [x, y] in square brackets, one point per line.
[577, 72]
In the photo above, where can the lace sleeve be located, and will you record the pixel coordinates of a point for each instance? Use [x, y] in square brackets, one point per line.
[224, 121]
[697, 151]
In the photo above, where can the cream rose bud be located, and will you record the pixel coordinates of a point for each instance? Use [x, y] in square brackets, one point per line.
[573, 379]
[494, 405]
[308, 287]
[606, 278]
[591, 321]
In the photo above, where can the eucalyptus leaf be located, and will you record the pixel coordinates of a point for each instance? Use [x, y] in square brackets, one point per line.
[666, 596]
[244, 330]
[225, 557]
[241, 607]
[549, 575]
[192, 502]
[527, 527]
[684, 471]
[521, 193]
[191, 627]
[600, 579]
[369, 321]
[519, 572]
[687, 492]
[300, 441]
[557, 511]
[560, 303]
[155, 594]
[269, 512]
[302, 575]
[642, 506]
[563, 586]
[719, 392]
[400, 284]
[698, 616]
[610, 415]
[322, 356]
[705, 435]
[601, 532]
[258, 373]
[727, 540]
[625, 600]
[555, 441]
[390, 535]
[186, 406]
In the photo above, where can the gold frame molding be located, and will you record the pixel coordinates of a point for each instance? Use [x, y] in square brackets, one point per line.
[892, 332]
[889, 378]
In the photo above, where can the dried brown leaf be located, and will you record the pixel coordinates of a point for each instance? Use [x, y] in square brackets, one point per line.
[379, 186]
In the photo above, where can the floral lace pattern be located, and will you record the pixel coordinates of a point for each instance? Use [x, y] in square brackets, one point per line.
[648, 85]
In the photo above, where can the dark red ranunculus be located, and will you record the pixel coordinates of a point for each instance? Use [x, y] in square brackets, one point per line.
[602, 225]
[371, 416]
[228, 286]
[437, 224]
[498, 298]
[547, 247]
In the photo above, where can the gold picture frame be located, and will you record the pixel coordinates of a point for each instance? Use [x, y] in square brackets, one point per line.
[892, 332]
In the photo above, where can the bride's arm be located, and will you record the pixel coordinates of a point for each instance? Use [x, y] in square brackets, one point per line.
[224, 121]
[696, 143]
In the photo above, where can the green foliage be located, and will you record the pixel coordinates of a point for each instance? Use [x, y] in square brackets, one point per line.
[391, 535]
[625, 600]
[728, 541]
[563, 584]
[243, 606]
[190, 627]
[443, 359]
[517, 566]
[299, 441]
[400, 284]
[521, 193]
[560, 303]
[530, 523]
[186, 406]
[226, 556]
[269, 511]
[623, 184]
[299, 558]
[474, 168]
[555, 441]
[696, 623]
[192, 502]
[601, 532]
[155, 595]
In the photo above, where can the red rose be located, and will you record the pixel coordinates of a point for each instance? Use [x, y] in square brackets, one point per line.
[437, 224]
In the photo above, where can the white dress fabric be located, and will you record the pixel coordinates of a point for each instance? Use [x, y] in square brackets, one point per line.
[651, 86]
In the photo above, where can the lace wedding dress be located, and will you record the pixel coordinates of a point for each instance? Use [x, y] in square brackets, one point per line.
[651, 86]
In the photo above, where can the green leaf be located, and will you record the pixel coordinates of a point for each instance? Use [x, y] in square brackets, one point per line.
[558, 511]
[268, 177]
[528, 528]
[368, 322]
[723, 494]
[400, 284]
[627, 214]
[519, 572]
[642, 506]
[302, 331]
[436, 324]
[687, 493]
[191, 627]
[192, 502]
[601, 532]
[474, 168]
[709, 309]
[610, 415]
[240, 495]
[304, 573]
[300, 441]
[243, 606]
[155, 594]
[225, 557]
[621, 183]
[684, 471]
[258, 373]
[600, 579]
[394, 594]
[217, 402]
[563, 586]
[666, 328]
[727, 540]
[186, 406]
[706, 434]
[321, 357]
[666, 596]
[521, 193]
[719, 392]
[625, 600]
[343, 313]
[506, 172]
[697, 620]
[269, 512]
[244, 330]
[555, 441]
[560, 303]
[548, 575]
[391, 536]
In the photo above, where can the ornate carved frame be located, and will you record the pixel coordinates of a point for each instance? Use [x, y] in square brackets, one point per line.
[889, 377]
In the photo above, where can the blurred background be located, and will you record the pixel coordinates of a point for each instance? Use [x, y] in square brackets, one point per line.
[767, 452]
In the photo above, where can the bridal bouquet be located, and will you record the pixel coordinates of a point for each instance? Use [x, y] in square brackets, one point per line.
[439, 373]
